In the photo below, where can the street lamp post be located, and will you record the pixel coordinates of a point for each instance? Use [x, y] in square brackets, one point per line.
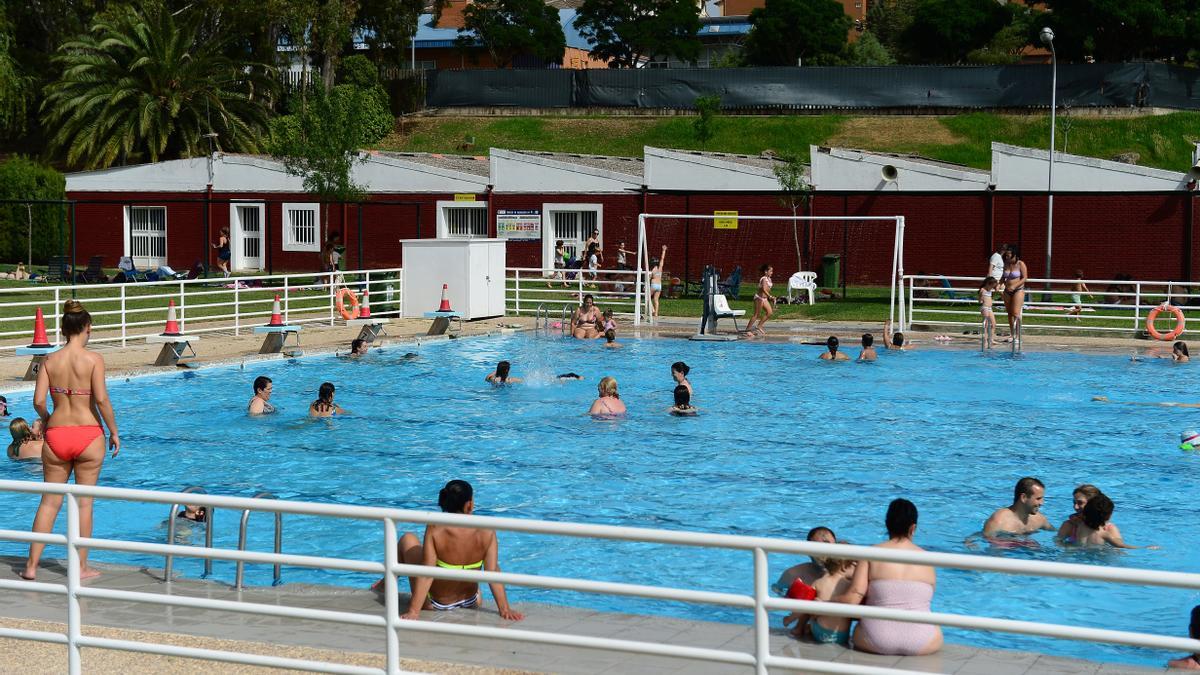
[1047, 38]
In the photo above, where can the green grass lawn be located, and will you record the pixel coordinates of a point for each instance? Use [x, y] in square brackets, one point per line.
[1162, 141]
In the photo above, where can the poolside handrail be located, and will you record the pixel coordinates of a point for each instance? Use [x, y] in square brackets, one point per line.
[241, 565]
[761, 659]
[208, 532]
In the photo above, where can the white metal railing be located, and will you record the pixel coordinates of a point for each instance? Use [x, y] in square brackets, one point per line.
[1111, 306]
[527, 288]
[131, 311]
[760, 600]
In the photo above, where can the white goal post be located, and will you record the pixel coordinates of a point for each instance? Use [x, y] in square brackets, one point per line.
[897, 296]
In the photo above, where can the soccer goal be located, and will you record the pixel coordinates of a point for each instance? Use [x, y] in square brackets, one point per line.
[867, 250]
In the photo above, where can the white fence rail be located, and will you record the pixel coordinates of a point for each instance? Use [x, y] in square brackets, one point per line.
[760, 600]
[131, 311]
[527, 288]
[1111, 306]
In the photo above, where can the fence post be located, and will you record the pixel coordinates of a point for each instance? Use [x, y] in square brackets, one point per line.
[182, 309]
[57, 320]
[1137, 304]
[74, 620]
[762, 621]
[286, 298]
[124, 320]
[237, 309]
[391, 600]
[517, 278]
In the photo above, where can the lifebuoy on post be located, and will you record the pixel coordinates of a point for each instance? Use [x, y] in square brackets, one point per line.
[1179, 322]
[339, 302]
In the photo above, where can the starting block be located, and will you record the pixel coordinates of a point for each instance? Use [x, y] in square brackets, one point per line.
[441, 322]
[174, 348]
[39, 355]
[370, 328]
[276, 339]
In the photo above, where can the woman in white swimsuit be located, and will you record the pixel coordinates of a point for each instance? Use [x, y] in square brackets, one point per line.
[763, 302]
[656, 272]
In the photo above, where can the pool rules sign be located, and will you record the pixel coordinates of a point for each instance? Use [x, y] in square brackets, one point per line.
[725, 220]
[519, 225]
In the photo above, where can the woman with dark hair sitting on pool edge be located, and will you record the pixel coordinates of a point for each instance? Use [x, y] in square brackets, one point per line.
[586, 320]
[452, 548]
[897, 586]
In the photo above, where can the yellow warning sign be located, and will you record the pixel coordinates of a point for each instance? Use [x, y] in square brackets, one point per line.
[464, 198]
[725, 220]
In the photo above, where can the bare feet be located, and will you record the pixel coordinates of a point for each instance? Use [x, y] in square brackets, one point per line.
[377, 586]
[88, 573]
[30, 574]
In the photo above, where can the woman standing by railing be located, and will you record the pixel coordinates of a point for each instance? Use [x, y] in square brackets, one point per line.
[74, 378]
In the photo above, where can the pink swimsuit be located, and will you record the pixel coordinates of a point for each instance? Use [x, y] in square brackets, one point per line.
[898, 637]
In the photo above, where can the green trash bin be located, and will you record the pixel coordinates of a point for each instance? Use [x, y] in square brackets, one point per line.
[831, 270]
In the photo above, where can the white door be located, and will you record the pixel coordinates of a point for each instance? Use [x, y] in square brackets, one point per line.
[246, 236]
[497, 278]
[572, 228]
[147, 236]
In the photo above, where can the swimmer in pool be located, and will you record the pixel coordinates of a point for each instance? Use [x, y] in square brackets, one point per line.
[610, 339]
[324, 405]
[454, 548]
[1092, 530]
[1191, 662]
[27, 439]
[1179, 352]
[570, 376]
[500, 376]
[679, 373]
[833, 354]
[683, 403]
[608, 403]
[260, 404]
[1023, 516]
[358, 347]
[868, 348]
[1165, 404]
[893, 340]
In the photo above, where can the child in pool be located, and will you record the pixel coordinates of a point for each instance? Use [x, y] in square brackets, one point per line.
[1091, 529]
[609, 323]
[826, 629]
[683, 403]
[610, 339]
[985, 308]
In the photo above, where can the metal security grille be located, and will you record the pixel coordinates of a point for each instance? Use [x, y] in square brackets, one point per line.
[302, 223]
[251, 231]
[148, 232]
[466, 221]
[573, 228]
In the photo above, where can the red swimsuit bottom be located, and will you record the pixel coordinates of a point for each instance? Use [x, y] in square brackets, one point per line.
[68, 443]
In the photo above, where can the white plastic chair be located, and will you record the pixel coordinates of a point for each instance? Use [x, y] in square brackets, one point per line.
[722, 310]
[803, 281]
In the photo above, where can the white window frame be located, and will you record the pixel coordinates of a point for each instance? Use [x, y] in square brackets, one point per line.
[548, 238]
[128, 231]
[237, 262]
[443, 224]
[288, 237]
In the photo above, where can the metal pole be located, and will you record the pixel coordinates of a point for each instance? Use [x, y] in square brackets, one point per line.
[74, 620]
[762, 621]
[73, 246]
[1050, 171]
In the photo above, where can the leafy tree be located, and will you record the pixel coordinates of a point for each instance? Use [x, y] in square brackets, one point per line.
[511, 28]
[868, 51]
[945, 31]
[30, 229]
[707, 109]
[389, 26]
[1119, 30]
[320, 141]
[16, 88]
[1007, 44]
[792, 174]
[139, 86]
[627, 32]
[888, 20]
[787, 32]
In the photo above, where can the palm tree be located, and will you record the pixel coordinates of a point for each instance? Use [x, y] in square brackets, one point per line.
[142, 85]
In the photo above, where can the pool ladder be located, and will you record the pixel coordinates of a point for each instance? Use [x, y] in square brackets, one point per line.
[208, 538]
[565, 324]
[541, 318]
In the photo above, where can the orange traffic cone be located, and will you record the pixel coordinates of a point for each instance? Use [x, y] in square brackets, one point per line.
[172, 328]
[276, 314]
[445, 306]
[39, 330]
[364, 311]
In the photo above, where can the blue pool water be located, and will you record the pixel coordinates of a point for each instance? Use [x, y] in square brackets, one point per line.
[784, 442]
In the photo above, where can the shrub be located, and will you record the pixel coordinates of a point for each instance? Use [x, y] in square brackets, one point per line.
[21, 178]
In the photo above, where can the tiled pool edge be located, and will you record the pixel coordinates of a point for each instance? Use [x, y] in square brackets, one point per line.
[954, 658]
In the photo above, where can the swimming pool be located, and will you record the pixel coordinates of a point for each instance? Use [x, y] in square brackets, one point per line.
[783, 443]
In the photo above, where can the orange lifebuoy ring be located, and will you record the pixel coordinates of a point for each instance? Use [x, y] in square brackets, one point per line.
[339, 302]
[1179, 322]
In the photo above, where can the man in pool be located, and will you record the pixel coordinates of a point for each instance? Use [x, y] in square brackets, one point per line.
[261, 403]
[893, 340]
[1023, 516]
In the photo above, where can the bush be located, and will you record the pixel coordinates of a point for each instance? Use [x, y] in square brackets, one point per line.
[21, 178]
[358, 71]
[368, 108]
[707, 109]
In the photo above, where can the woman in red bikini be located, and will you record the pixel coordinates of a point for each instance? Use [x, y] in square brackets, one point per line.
[74, 378]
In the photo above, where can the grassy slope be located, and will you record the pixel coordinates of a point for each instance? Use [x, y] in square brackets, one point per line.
[1162, 141]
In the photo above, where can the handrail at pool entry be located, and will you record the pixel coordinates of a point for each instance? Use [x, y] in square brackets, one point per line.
[760, 600]
[203, 305]
[943, 300]
[526, 289]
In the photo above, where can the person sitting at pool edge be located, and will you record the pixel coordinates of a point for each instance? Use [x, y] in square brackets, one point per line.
[500, 376]
[610, 339]
[453, 548]
[1191, 662]
[807, 572]
[683, 403]
[893, 340]
[260, 404]
[868, 348]
[608, 403]
[833, 354]
[1023, 516]
[324, 405]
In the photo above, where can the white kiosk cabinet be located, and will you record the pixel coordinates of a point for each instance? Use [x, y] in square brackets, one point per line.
[473, 268]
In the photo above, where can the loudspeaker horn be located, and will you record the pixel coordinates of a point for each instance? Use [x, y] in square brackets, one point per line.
[889, 173]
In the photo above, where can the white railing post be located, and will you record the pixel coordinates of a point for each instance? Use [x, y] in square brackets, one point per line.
[74, 620]
[332, 296]
[762, 620]
[57, 319]
[1137, 304]
[391, 597]
[517, 283]
[237, 309]
[124, 320]
[286, 287]
[182, 309]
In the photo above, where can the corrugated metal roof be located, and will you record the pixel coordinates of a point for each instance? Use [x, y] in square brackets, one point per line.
[630, 166]
[477, 166]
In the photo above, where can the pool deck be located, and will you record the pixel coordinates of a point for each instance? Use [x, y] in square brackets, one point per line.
[364, 646]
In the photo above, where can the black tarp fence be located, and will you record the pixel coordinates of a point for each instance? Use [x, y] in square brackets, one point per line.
[1119, 85]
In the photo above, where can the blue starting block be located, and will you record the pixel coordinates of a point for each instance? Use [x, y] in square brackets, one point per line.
[276, 339]
[39, 355]
[441, 322]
